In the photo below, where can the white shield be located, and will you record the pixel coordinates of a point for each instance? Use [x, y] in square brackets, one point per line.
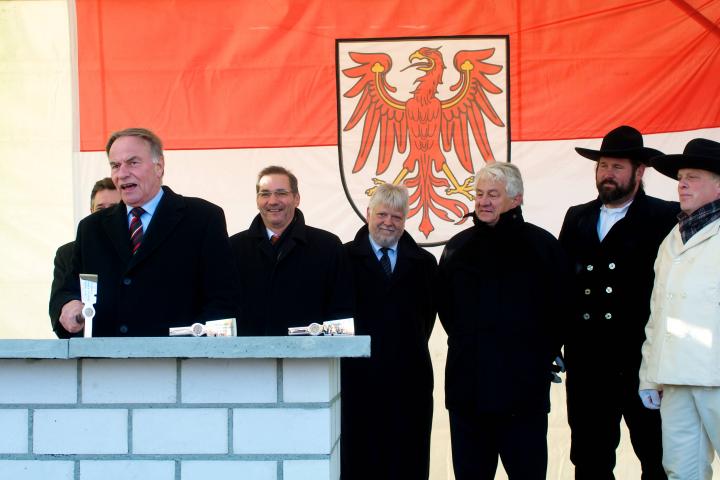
[425, 112]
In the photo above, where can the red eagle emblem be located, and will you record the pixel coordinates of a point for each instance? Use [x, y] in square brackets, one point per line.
[429, 124]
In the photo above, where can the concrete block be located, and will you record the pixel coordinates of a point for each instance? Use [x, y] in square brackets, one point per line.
[80, 431]
[308, 380]
[13, 431]
[219, 347]
[127, 470]
[38, 381]
[129, 380]
[178, 431]
[335, 411]
[33, 470]
[228, 470]
[307, 470]
[33, 348]
[281, 430]
[228, 381]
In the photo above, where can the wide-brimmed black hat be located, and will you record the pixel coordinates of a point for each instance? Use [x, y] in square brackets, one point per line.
[699, 153]
[622, 142]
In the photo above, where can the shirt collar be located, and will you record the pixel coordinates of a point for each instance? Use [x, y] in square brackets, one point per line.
[618, 210]
[376, 248]
[150, 206]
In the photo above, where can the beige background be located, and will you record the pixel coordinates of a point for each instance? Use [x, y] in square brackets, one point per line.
[46, 183]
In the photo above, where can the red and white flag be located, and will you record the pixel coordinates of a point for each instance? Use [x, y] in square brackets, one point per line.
[231, 87]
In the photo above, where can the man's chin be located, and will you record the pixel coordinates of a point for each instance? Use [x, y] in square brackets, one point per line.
[384, 241]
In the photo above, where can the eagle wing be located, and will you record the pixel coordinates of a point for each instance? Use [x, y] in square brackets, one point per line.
[470, 105]
[383, 114]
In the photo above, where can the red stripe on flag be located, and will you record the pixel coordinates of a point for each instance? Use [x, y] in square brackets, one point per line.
[228, 74]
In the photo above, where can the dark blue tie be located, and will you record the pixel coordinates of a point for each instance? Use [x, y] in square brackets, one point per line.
[385, 261]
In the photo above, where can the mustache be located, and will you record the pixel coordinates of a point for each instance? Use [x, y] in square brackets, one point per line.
[609, 181]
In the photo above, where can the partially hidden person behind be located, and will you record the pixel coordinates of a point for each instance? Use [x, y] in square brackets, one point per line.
[680, 371]
[103, 195]
[162, 260]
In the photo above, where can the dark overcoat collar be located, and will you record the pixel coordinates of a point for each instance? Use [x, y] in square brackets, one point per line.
[168, 214]
[296, 234]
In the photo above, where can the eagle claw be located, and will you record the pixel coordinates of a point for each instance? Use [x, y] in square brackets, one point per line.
[370, 191]
[464, 189]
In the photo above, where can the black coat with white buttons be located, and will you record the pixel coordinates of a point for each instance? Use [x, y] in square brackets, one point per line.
[613, 283]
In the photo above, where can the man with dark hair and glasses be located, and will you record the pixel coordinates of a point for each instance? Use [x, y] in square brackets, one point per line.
[291, 274]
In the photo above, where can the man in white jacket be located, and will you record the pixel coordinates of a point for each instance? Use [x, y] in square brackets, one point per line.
[680, 371]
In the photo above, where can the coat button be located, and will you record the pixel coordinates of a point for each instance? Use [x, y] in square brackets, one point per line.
[589, 268]
[586, 316]
[611, 266]
[127, 281]
[123, 329]
[608, 290]
[608, 316]
[587, 291]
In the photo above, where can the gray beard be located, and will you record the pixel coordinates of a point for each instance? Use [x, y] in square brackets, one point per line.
[383, 241]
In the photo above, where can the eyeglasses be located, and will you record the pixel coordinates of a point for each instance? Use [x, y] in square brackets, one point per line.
[278, 193]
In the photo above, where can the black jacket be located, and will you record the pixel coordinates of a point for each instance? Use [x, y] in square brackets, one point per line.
[63, 266]
[387, 398]
[181, 274]
[305, 278]
[503, 307]
[612, 284]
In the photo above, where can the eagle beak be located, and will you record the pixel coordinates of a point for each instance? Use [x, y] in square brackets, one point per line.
[425, 64]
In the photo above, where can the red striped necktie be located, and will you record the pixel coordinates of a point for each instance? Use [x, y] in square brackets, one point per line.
[136, 229]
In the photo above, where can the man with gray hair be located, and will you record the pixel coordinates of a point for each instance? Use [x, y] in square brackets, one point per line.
[503, 284]
[387, 398]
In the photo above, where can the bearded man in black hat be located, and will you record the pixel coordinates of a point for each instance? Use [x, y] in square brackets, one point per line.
[680, 372]
[612, 242]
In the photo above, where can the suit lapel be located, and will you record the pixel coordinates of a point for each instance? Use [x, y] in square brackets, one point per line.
[587, 225]
[116, 228]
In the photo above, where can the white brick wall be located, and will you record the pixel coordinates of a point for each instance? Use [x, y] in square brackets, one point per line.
[309, 380]
[80, 431]
[38, 381]
[181, 430]
[13, 431]
[306, 469]
[127, 470]
[229, 470]
[156, 409]
[29, 470]
[131, 380]
[281, 430]
[207, 380]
